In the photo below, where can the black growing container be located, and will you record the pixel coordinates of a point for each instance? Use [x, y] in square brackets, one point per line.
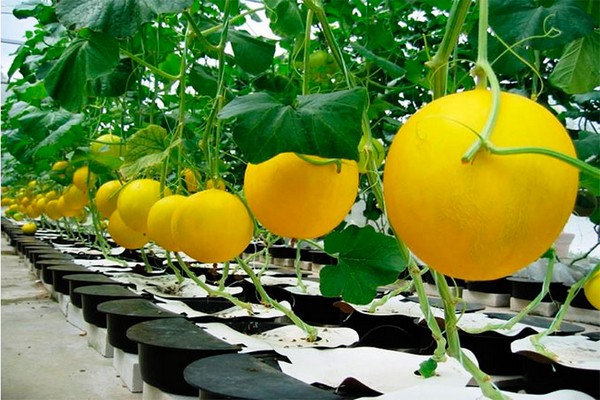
[383, 331]
[35, 253]
[167, 346]
[243, 376]
[51, 256]
[497, 286]
[123, 314]
[46, 273]
[544, 376]
[580, 301]
[493, 349]
[316, 309]
[92, 296]
[527, 289]
[29, 250]
[23, 243]
[283, 255]
[59, 271]
[85, 279]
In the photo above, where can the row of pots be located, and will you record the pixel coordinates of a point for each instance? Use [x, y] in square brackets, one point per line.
[178, 357]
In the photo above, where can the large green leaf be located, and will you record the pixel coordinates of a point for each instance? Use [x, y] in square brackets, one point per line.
[393, 70]
[63, 136]
[577, 71]
[16, 143]
[285, 17]
[119, 18]
[38, 123]
[85, 59]
[514, 20]
[44, 13]
[366, 260]
[588, 148]
[203, 81]
[115, 83]
[44, 134]
[326, 125]
[251, 54]
[147, 148]
[31, 93]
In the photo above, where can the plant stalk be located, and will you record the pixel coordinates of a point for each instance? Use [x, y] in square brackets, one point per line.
[484, 381]
[209, 290]
[439, 62]
[484, 72]
[310, 330]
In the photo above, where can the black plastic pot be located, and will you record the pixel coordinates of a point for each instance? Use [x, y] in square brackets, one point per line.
[497, 286]
[242, 376]
[167, 346]
[46, 273]
[34, 253]
[253, 247]
[319, 259]
[428, 278]
[92, 296]
[23, 243]
[316, 309]
[580, 301]
[85, 279]
[123, 314]
[64, 241]
[283, 255]
[85, 256]
[566, 328]
[51, 256]
[207, 305]
[19, 241]
[383, 331]
[544, 376]
[60, 271]
[27, 250]
[493, 350]
[527, 289]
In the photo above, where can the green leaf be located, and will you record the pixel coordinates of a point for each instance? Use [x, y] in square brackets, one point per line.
[251, 54]
[119, 18]
[588, 149]
[588, 146]
[115, 83]
[31, 92]
[84, 59]
[285, 17]
[366, 260]
[16, 143]
[514, 20]
[44, 134]
[380, 36]
[203, 81]
[39, 122]
[147, 148]
[390, 68]
[577, 70]
[585, 97]
[43, 13]
[171, 64]
[63, 136]
[18, 61]
[326, 125]
[103, 163]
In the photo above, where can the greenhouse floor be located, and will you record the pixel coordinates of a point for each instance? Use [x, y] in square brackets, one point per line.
[43, 356]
